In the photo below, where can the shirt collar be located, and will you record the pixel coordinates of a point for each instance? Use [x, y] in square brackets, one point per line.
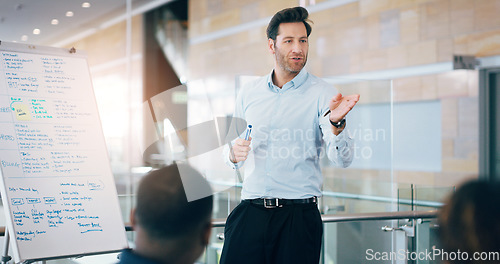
[129, 256]
[296, 82]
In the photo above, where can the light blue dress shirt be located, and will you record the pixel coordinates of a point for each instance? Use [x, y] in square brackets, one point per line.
[287, 136]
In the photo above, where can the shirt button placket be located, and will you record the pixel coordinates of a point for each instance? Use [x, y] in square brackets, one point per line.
[270, 144]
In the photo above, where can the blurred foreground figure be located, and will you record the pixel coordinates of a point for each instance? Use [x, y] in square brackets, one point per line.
[469, 224]
[168, 228]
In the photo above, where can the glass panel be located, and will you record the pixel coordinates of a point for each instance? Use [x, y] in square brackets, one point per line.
[369, 243]
[422, 198]
[366, 241]
[367, 185]
[427, 240]
[349, 196]
[431, 198]
[214, 249]
[405, 198]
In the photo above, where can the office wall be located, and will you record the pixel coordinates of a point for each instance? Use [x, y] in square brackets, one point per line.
[227, 41]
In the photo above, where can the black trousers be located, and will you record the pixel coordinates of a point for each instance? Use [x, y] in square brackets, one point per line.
[286, 235]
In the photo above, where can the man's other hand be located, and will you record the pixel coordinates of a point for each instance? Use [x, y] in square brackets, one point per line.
[240, 150]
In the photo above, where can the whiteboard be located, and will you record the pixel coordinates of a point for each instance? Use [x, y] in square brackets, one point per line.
[57, 187]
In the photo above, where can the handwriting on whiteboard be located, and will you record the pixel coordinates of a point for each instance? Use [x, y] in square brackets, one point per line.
[44, 213]
[48, 76]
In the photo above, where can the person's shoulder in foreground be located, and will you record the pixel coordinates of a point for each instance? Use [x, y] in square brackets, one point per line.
[170, 225]
[468, 222]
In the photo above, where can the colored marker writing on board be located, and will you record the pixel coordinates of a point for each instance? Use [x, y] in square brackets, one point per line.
[247, 133]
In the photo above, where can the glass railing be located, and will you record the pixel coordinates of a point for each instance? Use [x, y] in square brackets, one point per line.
[375, 241]
[354, 221]
[351, 235]
[357, 238]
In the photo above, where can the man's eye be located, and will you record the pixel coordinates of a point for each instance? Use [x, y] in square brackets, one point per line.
[303, 41]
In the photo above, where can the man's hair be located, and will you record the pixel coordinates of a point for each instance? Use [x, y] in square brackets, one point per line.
[162, 208]
[288, 15]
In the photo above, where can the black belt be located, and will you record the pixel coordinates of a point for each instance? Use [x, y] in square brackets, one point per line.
[276, 202]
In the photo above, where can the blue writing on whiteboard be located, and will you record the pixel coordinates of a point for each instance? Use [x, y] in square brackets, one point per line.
[33, 200]
[19, 216]
[29, 235]
[5, 109]
[25, 235]
[36, 216]
[6, 164]
[92, 230]
[17, 201]
[7, 137]
[49, 200]
[93, 227]
[95, 185]
[55, 223]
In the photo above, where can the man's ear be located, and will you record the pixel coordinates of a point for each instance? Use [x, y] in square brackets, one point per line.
[132, 218]
[270, 44]
[205, 234]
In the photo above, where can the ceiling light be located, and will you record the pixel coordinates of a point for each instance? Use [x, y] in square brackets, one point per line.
[86, 5]
[69, 14]
[24, 38]
[54, 22]
[36, 31]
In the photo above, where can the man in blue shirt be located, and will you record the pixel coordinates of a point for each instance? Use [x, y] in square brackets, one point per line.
[169, 229]
[292, 113]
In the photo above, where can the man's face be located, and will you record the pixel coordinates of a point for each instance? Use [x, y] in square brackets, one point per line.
[291, 47]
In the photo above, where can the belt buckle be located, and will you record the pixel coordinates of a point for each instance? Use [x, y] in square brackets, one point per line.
[270, 206]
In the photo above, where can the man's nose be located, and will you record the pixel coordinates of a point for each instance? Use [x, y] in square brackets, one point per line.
[297, 48]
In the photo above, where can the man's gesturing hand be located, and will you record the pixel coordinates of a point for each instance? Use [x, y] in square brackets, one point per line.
[341, 105]
[240, 150]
